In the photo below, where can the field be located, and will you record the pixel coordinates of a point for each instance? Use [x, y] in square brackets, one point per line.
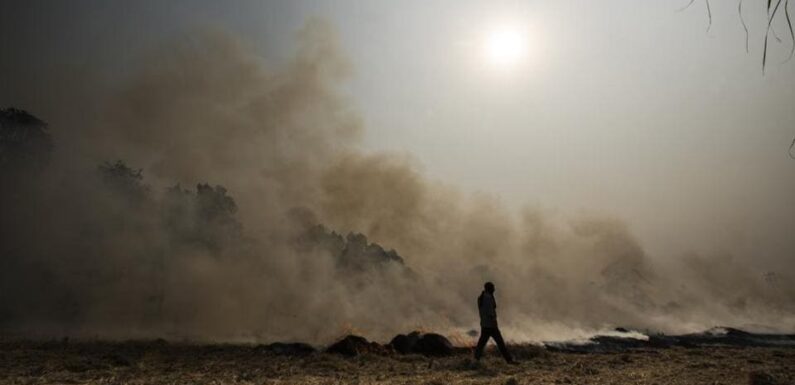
[161, 362]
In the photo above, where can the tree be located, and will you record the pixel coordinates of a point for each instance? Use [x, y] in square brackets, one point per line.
[25, 144]
[205, 217]
[123, 180]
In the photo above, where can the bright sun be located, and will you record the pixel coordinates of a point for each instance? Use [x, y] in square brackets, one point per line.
[505, 46]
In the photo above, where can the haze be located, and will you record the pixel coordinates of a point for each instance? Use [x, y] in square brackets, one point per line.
[626, 111]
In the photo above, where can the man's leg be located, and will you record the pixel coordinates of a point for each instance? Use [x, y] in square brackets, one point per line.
[484, 338]
[501, 345]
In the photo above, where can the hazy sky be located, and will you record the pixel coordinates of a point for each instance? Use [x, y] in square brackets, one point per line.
[620, 107]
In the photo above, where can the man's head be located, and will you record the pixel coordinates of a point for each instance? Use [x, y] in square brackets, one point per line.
[489, 287]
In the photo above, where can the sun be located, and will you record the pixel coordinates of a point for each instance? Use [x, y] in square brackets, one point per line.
[505, 46]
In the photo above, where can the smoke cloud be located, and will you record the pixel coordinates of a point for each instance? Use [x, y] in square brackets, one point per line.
[256, 217]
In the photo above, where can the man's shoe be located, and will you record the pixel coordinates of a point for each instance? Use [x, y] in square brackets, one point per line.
[513, 362]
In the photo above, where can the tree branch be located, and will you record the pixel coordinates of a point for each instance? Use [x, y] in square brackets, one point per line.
[745, 26]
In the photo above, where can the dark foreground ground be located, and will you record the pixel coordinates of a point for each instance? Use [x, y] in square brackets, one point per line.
[160, 362]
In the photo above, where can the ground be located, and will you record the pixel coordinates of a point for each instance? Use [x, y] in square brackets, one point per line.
[160, 362]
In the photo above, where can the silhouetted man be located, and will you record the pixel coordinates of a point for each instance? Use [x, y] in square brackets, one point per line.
[487, 306]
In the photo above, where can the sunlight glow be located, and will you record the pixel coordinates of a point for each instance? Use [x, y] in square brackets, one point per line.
[505, 46]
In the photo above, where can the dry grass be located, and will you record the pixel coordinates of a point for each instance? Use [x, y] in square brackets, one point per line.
[164, 363]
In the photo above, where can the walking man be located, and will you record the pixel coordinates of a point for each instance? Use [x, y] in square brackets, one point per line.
[487, 306]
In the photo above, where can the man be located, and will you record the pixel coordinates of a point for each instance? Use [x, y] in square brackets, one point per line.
[487, 307]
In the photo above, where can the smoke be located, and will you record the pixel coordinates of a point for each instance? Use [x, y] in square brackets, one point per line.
[117, 252]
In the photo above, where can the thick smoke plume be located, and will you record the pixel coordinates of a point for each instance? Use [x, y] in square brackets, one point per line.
[254, 216]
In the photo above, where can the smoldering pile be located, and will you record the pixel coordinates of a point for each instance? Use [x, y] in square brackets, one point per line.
[620, 340]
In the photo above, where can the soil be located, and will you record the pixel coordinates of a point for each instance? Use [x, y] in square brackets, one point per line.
[161, 362]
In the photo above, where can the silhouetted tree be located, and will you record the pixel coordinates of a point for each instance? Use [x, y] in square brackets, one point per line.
[123, 180]
[25, 144]
[214, 206]
[353, 251]
[205, 217]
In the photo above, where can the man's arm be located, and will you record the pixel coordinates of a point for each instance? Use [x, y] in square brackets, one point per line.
[492, 307]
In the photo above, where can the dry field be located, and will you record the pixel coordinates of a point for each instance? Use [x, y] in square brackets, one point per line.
[24, 362]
